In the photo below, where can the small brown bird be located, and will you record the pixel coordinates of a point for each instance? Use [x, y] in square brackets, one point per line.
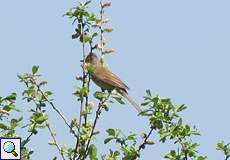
[109, 81]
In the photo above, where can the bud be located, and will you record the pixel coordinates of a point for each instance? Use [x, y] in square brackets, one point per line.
[98, 21]
[104, 41]
[105, 20]
[36, 94]
[107, 4]
[98, 46]
[90, 106]
[108, 51]
[96, 132]
[42, 83]
[46, 95]
[2, 111]
[150, 142]
[101, 21]
[109, 29]
[51, 143]
[94, 24]
[33, 80]
[79, 78]
[143, 135]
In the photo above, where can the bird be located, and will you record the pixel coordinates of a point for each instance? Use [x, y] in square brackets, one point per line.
[107, 80]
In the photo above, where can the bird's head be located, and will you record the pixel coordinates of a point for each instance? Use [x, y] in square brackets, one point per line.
[92, 59]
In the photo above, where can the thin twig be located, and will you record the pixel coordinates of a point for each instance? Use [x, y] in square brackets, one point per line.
[58, 112]
[55, 141]
[30, 135]
[98, 112]
[47, 124]
[101, 30]
[145, 140]
[88, 83]
[83, 85]
[34, 126]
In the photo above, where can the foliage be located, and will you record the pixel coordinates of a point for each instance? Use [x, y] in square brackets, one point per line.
[221, 146]
[164, 117]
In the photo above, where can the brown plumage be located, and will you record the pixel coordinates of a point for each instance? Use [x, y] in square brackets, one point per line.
[108, 80]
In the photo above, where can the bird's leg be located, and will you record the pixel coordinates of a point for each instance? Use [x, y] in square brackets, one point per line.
[109, 91]
[102, 89]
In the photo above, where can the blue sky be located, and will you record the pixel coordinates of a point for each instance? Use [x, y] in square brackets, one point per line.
[178, 49]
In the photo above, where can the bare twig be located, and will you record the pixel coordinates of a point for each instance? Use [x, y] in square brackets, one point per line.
[55, 141]
[101, 30]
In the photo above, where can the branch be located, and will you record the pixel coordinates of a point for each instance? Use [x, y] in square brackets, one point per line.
[101, 30]
[98, 113]
[58, 112]
[54, 139]
[83, 85]
[29, 136]
[142, 146]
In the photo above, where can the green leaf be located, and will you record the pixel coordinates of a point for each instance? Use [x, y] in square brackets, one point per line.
[145, 103]
[92, 152]
[148, 92]
[95, 34]
[119, 100]
[11, 97]
[11, 107]
[87, 2]
[41, 119]
[30, 152]
[75, 36]
[51, 143]
[35, 69]
[111, 132]
[69, 14]
[181, 108]
[201, 158]
[180, 122]
[91, 17]
[41, 126]
[116, 154]
[99, 95]
[107, 140]
[48, 93]
[3, 126]
[85, 38]
[14, 122]
[90, 68]
[32, 130]
[131, 137]
[173, 152]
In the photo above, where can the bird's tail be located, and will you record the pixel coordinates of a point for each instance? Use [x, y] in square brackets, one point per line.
[134, 104]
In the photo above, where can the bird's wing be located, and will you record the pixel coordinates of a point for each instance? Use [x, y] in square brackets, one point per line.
[106, 76]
